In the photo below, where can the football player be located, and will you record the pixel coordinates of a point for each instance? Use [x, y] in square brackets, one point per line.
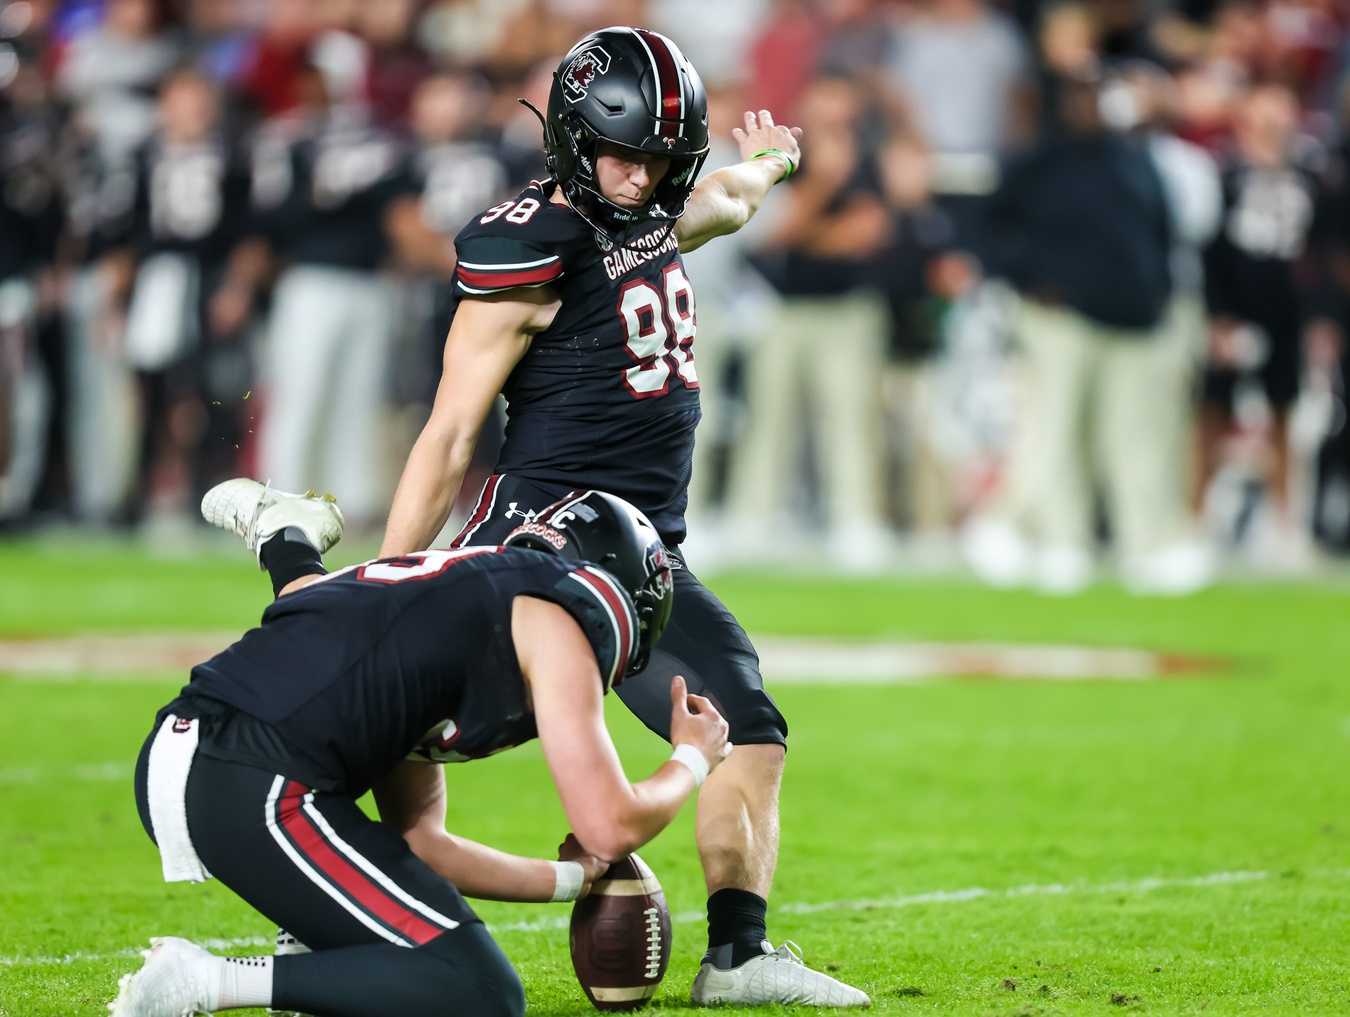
[358, 680]
[573, 301]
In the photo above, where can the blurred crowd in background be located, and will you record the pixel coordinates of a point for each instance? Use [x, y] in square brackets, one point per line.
[1060, 287]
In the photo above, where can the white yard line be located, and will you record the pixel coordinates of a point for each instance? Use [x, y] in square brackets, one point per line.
[1134, 886]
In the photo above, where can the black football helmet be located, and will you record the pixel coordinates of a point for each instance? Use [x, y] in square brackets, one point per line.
[591, 526]
[634, 88]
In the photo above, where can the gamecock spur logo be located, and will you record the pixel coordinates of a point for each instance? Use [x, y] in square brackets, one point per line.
[584, 69]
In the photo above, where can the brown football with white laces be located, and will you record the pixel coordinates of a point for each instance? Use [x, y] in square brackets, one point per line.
[620, 937]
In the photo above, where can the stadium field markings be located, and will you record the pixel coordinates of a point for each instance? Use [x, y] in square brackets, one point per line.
[973, 893]
[784, 660]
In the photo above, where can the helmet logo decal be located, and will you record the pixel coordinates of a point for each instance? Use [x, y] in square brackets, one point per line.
[545, 533]
[670, 142]
[584, 68]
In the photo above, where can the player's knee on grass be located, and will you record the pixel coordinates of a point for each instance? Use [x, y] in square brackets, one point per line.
[496, 989]
[462, 971]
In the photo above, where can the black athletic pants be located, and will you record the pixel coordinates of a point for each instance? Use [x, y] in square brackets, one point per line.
[703, 641]
[390, 937]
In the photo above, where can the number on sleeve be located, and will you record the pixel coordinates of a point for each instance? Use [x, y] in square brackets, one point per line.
[495, 212]
[517, 212]
[523, 211]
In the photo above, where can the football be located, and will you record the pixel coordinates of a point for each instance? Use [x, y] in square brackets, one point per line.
[620, 936]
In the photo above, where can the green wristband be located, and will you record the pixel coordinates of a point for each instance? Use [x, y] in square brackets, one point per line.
[787, 161]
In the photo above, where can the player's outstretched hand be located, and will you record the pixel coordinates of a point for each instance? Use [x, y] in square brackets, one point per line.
[695, 721]
[570, 850]
[761, 132]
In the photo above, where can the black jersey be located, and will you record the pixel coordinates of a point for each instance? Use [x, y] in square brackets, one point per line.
[191, 199]
[405, 656]
[456, 179]
[607, 396]
[31, 213]
[321, 191]
[1250, 267]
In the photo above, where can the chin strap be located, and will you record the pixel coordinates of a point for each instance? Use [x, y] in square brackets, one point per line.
[562, 186]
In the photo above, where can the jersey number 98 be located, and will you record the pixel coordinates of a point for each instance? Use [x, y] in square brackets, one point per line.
[660, 326]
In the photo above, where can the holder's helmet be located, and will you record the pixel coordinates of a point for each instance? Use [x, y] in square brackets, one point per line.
[633, 88]
[591, 526]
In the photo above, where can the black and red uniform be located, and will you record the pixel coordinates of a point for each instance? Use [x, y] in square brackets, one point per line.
[607, 398]
[1252, 275]
[408, 657]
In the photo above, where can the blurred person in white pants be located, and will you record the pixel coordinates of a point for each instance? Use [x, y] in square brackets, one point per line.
[733, 302]
[1081, 228]
[825, 342]
[1145, 97]
[329, 188]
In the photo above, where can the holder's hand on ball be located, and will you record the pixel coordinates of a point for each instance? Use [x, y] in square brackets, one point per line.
[695, 721]
[570, 850]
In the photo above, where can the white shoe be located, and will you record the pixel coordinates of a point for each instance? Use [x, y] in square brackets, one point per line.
[255, 512]
[1063, 570]
[1174, 570]
[175, 981]
[996, 552]
[779, 976]
[287, 946]
[860, 549]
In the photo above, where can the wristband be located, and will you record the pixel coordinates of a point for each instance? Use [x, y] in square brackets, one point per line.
[694, 760]
[569, 877]
[787, 161]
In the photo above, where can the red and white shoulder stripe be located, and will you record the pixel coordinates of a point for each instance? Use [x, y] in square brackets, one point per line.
[481, 278]
[615, 606]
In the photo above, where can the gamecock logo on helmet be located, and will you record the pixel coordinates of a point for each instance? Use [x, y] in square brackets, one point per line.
[584, 69]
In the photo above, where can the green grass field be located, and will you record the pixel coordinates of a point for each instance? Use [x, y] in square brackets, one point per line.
[1177, 846]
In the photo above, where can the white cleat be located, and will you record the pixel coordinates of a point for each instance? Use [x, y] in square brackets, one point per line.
[255, 512]
[173, 982]
[779, 976]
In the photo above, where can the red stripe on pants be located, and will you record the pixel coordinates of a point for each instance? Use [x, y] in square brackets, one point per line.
[373, 898]
[479, 513]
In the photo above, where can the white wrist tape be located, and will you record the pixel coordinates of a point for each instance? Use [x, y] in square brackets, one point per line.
[568, 878]
[694, 759]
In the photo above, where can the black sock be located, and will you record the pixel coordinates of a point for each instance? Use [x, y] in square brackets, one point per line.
[736, 920]
[287, 556]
